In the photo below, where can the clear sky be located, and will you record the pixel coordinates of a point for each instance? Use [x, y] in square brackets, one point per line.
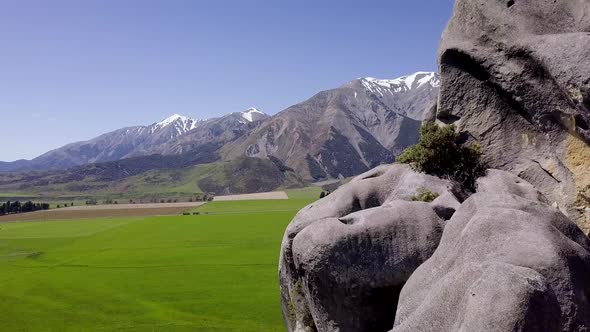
[73, 69]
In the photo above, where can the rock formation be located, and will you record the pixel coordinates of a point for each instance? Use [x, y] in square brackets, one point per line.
[508, 257]
[346, 257]
[516, 77]
[504, 261]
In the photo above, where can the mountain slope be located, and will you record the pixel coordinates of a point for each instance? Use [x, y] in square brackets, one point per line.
[344, 131]
[155, 176]
[174, 135]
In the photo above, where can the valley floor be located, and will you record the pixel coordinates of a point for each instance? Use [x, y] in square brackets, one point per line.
[148, 209]
[216, 271]
[102, 211]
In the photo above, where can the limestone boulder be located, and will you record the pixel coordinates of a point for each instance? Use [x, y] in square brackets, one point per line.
[507, 261]
[515, 77]
[345, 258]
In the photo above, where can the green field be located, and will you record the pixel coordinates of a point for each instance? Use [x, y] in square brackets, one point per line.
[239, 207]
[311, 192]
[211, 272]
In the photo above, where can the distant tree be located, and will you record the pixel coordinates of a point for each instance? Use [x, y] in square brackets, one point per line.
[116, 202]
[162, 201]
[58, 206]
[18, 207]
[72, 204]
[190, 200]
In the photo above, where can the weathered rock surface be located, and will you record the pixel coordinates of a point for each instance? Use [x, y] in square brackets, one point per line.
[506, 262]
[346, 257]
[367, 258]
[516, 79]
[516, 76]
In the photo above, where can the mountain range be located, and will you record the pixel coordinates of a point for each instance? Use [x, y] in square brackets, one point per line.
[336, 133]
[173, 135]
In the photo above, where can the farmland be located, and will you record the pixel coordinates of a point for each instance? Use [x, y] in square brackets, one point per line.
[102, 211]
[215, 271]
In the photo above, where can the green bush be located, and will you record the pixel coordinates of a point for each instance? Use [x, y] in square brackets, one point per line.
[439, 153]
[424, 195]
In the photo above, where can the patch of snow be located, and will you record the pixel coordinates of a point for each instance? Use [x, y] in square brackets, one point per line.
[182, 124]
[171, 119]
[250, 113]
[401, 84]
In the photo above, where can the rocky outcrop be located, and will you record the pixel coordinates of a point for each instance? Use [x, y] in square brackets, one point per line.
[506, 262]
[369, 258]
[516, 77]
[346, 257]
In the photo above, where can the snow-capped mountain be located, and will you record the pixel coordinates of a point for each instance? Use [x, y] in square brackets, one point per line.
[220, 130]
[344, 131]
[172, 135]
[402, 84]
[408, 94]
[336, 133]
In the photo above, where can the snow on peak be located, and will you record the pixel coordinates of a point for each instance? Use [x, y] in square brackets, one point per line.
[402, 84]
[252, 114]
[171, 119]
[181, 123]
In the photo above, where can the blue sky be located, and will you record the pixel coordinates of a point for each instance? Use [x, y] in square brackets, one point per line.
[71, 70]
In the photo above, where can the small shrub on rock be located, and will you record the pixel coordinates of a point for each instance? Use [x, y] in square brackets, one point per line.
[424, 195]
[440, 153]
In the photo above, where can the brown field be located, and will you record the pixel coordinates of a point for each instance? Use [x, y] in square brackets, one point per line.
[248, 197]
[103, 211]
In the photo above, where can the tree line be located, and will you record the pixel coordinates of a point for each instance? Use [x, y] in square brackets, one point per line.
[18, 207]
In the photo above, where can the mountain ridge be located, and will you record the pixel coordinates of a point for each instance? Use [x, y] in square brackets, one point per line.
[129, 142]
[344, 131]
[334, 134]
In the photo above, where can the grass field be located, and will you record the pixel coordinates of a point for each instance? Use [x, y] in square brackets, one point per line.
[312, 192]
[242, 207]
[211, 272]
